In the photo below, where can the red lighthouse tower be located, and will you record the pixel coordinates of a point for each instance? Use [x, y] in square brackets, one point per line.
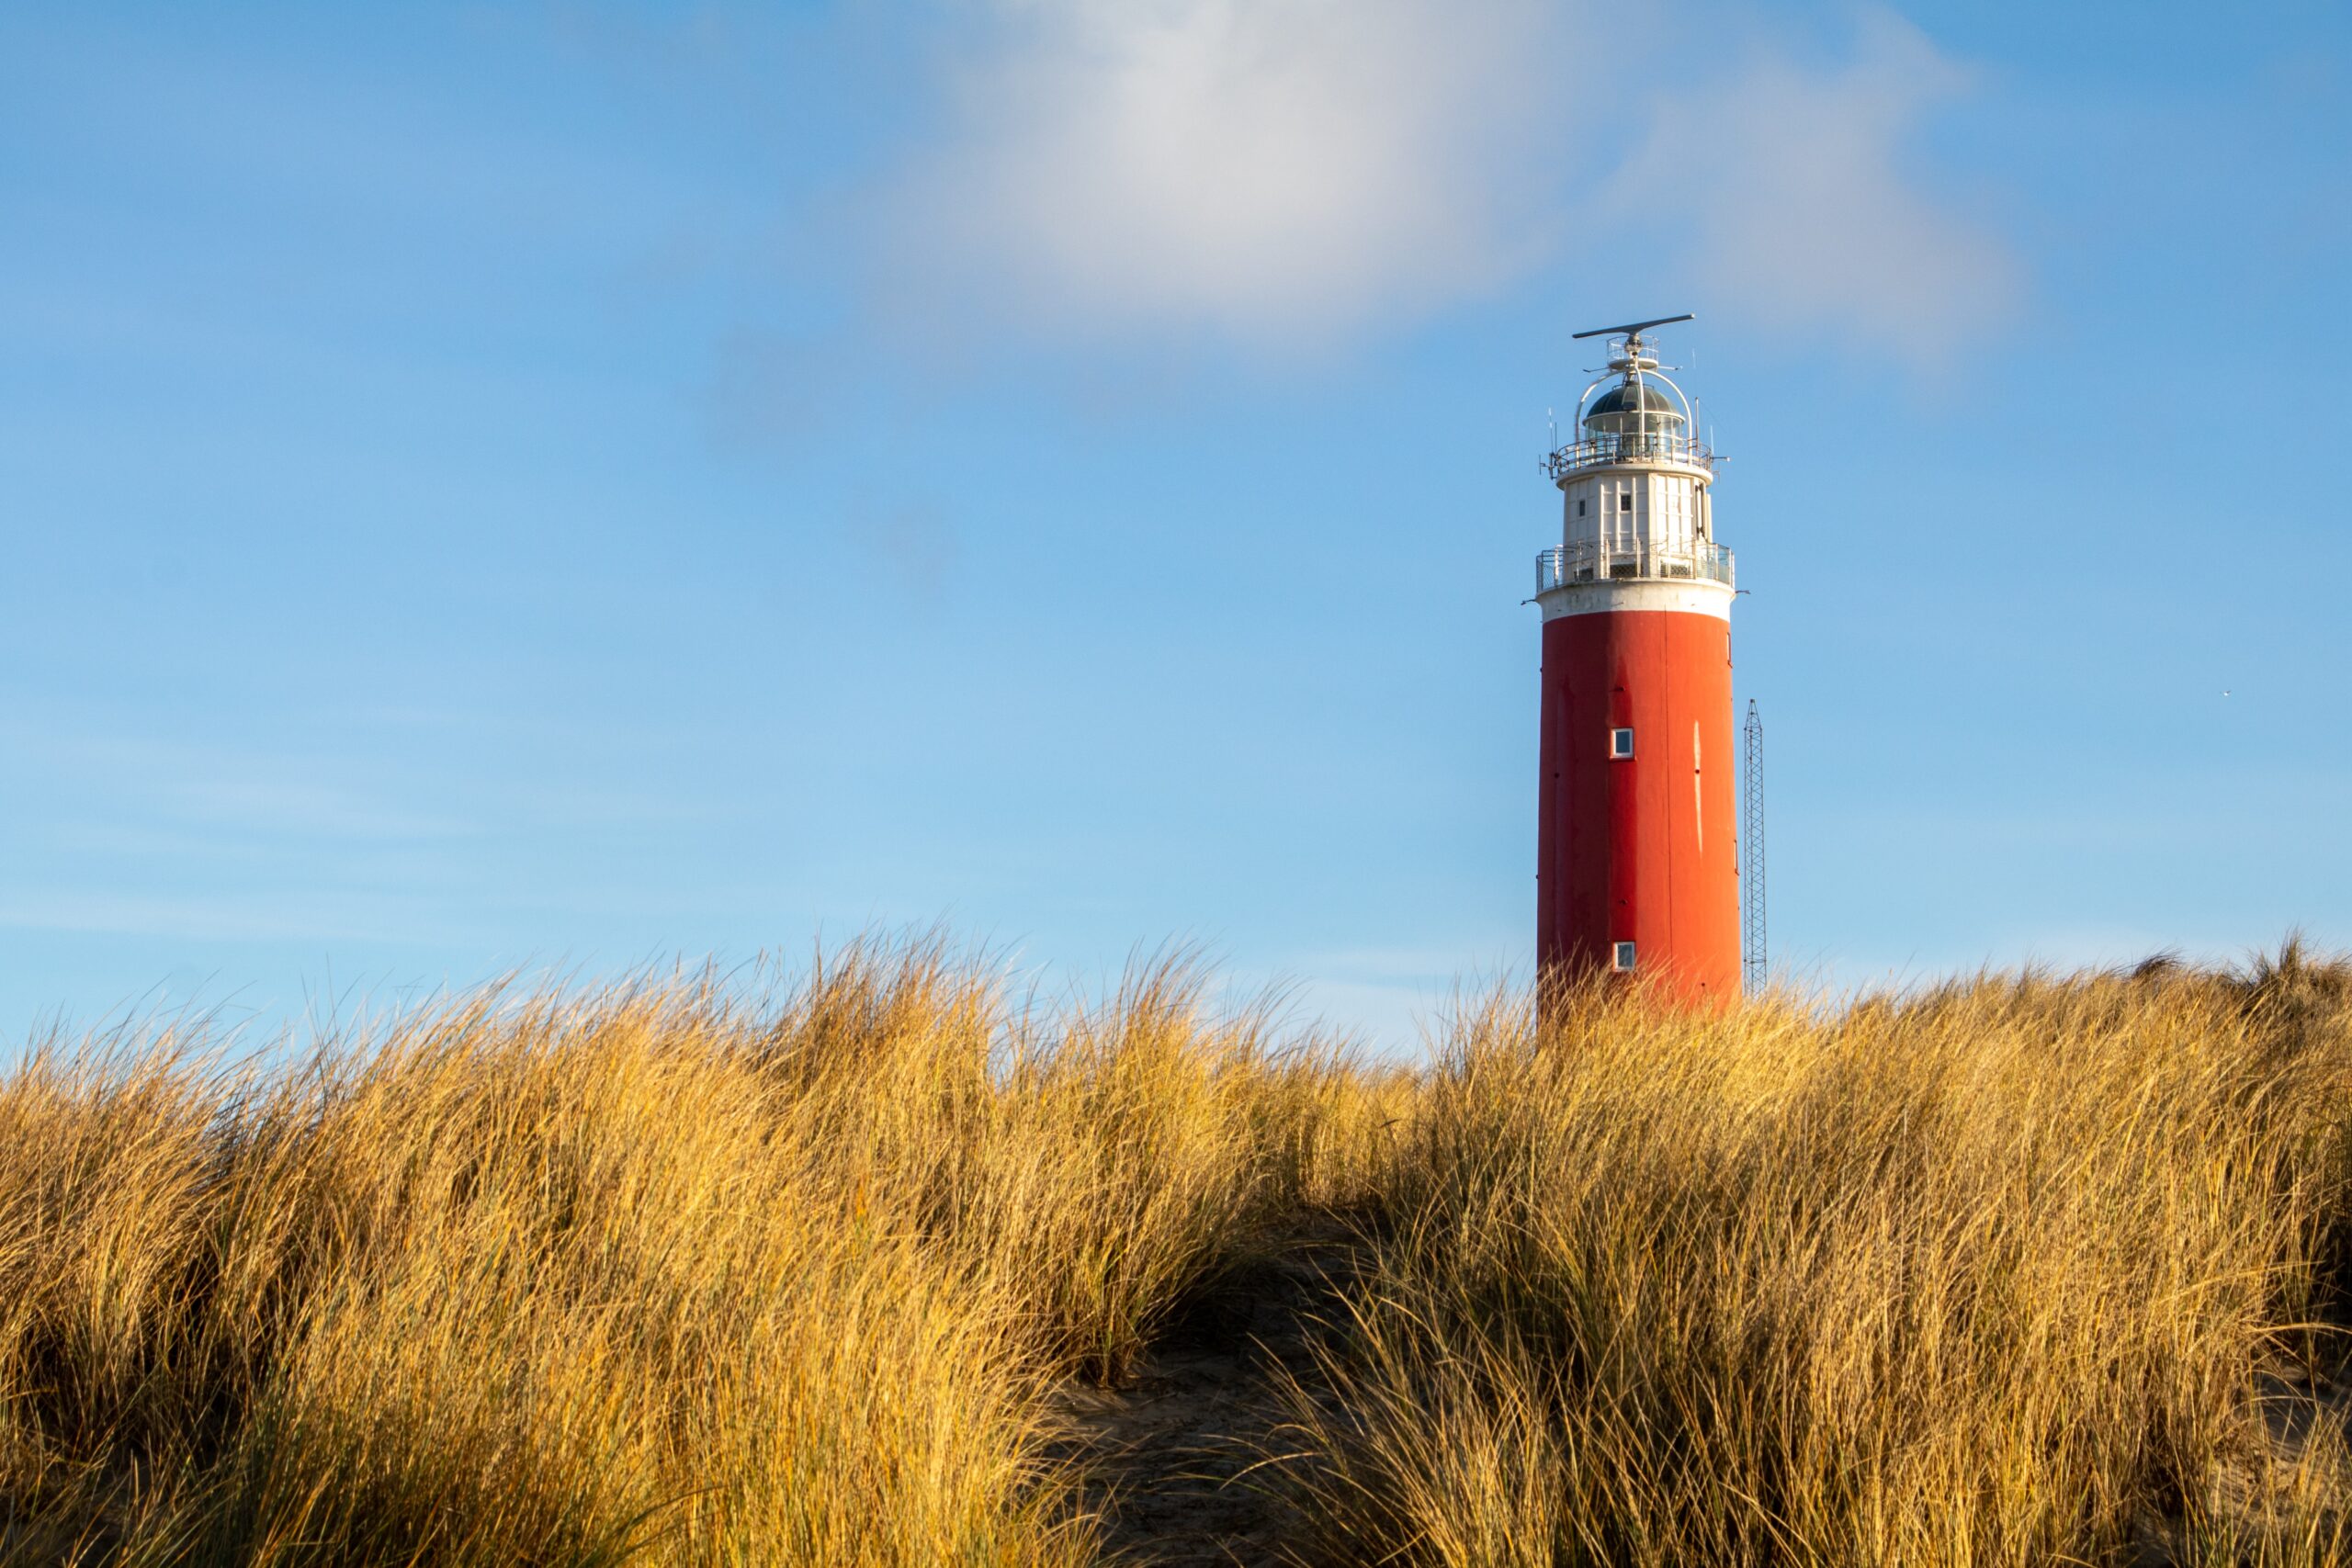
[1637, 859]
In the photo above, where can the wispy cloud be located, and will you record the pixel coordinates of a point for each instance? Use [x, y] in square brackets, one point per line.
[1284, 168]
[1788, 200]
[228, 788]
[1298, 171]
[227, 916]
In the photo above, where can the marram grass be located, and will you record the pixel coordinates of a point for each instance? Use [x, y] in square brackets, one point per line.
[2018, 1271]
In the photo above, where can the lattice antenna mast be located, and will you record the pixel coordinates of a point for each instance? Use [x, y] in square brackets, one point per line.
[1754, 967]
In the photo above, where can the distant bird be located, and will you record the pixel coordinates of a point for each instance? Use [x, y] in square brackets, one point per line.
[2225, 692]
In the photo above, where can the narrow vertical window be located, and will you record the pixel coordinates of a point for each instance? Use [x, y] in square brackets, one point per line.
[1579, 506]
[1698, 793]
[1621, 744]
[1625, 500]
[1622, 960]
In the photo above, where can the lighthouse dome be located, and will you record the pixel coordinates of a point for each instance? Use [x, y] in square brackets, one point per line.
[1633, 407]
[1632, 397]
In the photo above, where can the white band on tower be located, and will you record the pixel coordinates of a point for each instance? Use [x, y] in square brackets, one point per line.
[1602, 598]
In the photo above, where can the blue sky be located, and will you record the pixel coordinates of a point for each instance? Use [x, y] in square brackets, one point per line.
[564, 486]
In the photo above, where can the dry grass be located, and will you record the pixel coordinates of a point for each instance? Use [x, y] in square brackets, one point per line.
[1999, 1274]
[2021, 1270]
[654, 1275]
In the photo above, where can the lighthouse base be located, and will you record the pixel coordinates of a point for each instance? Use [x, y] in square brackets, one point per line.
[1636, 858]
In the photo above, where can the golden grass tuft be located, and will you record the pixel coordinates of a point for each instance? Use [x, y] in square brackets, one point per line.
[2019, 1269]
[1997, 1274]
[657, 1274]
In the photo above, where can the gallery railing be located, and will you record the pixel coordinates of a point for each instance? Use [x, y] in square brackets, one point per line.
[1600, 451]
[1565, 566]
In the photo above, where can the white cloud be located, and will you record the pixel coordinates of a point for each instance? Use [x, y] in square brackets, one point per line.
[1280, 171]
[1788, 204]
[1270, 167]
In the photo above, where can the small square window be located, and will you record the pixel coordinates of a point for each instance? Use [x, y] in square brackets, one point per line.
[1621, 958]
[1621, 744]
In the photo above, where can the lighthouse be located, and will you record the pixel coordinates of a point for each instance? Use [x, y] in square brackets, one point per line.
[1636, 854]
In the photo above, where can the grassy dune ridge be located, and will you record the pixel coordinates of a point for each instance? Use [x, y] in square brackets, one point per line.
[2017, 1270]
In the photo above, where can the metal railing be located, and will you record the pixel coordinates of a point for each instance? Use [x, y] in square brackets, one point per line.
[1565, 566]
[1600, 451]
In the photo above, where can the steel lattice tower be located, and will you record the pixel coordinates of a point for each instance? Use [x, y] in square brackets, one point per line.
[1753, 965]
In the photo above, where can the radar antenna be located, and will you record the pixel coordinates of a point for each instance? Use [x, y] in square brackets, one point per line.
[1630, 353]
[1635, 328]
[1754, 968]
